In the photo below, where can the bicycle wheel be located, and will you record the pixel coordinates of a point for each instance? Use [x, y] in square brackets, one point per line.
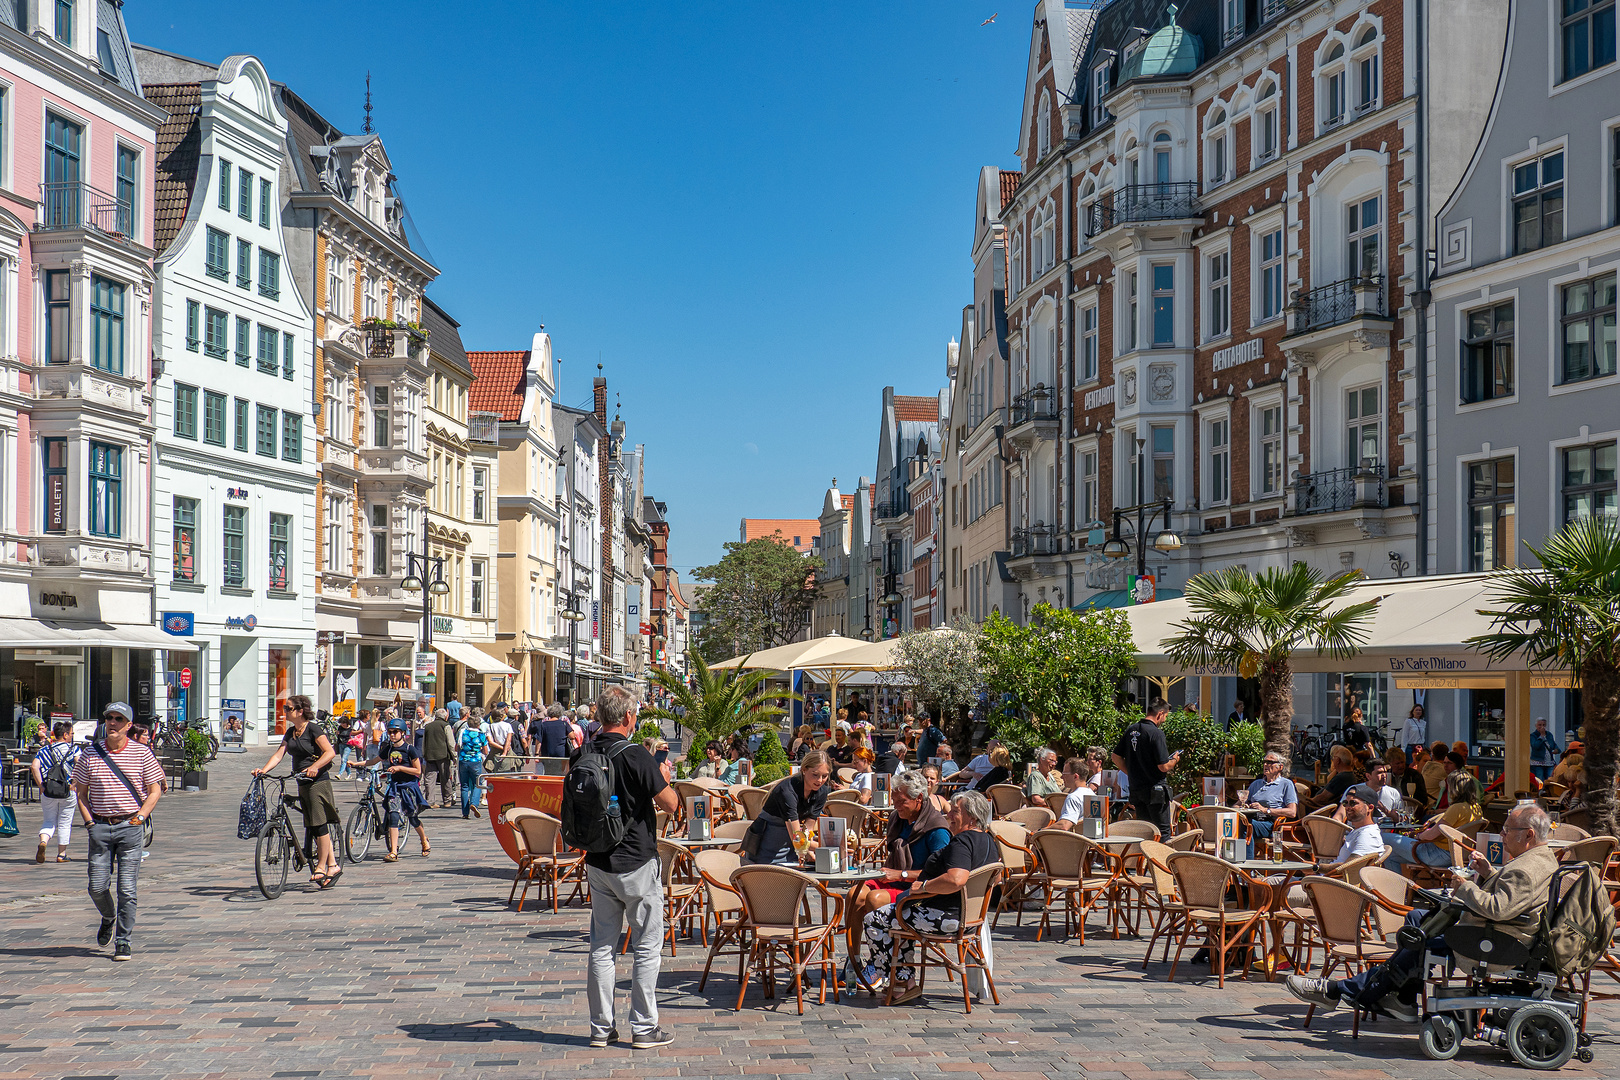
[148, 831]
[213, 747]
[271, 860]
[357, 835]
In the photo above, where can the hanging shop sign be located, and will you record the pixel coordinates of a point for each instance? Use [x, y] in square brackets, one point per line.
[179, 623]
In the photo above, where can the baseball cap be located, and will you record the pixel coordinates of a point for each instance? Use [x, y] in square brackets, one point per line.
[1364, 794]
[396, 724]
[121, 709]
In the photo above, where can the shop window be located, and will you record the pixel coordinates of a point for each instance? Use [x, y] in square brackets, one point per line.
[1369, 693]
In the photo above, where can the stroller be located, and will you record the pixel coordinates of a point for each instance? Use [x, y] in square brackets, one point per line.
[1512, 994]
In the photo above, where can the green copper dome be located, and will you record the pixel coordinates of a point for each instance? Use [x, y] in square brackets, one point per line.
[1170, 51]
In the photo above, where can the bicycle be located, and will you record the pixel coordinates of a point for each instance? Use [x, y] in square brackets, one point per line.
[1310, 747]
[276, 848]
[171, 736]
[368, 821]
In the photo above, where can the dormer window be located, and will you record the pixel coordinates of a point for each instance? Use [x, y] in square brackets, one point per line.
[1099, 90]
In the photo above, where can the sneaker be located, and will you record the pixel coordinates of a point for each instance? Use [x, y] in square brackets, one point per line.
[121, 951]
[1314, 991]
[655, 1037]
[600, 1041]
[104, 935]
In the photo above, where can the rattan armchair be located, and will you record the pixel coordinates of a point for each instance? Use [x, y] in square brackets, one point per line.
[1204, 883]
[966, 940]
[1065, 869]
[775, 914]
[540, 862]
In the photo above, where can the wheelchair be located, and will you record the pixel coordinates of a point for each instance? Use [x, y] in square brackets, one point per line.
[1509, 995]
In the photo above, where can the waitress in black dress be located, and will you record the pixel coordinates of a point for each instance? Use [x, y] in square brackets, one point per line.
[793, 802]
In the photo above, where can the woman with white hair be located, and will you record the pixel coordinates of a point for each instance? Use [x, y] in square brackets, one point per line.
[930, 894]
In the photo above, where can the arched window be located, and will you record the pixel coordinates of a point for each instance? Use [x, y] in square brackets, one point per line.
[1161, 158]
[1049, 237]
[1043, 125]
[1017, 263]
[1266, 124]
[1088, 196]
[1331, 100]
[1217, 159]
[1364, 62]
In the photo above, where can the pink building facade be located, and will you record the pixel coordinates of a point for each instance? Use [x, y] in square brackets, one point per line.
[76, 411]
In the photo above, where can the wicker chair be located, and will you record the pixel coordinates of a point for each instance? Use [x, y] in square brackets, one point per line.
[1203, 882]
[1005, 798]
[725, 907]
[1352, 934]
[856, 819]
[1323, 836]
[1140, 830]
[846, 775]
[1065, 860]
[1394, 892]
[1164, 907]
[774, 913]
[731, 830]
[683, 896]
[540, 863]
[751, 800]
[1021, 868]
[1054, 802]
[966, 939]
[1191, 840]
[1203, 818]
[1462, 845]
[1032, 818]
[1597, 850]
[843, 795]
[1565, 831]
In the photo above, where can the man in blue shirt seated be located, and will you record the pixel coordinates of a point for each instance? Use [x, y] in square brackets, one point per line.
[1273, 794]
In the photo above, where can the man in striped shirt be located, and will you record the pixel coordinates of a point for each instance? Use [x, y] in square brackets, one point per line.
[113, 808]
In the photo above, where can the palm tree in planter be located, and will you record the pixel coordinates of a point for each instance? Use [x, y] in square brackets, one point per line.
[722, 704]
[1565, 615]
[1253, 623]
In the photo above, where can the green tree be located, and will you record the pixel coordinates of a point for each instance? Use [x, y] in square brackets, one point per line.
[1253, 623]
[770, 760]
[722, 704]
[1058, 677]
[945, 672]
[1566, 616]
[1202, 744]
[764, 592]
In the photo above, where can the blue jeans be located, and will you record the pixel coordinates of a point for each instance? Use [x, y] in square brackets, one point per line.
[470, 771]
[1405, 851]
[1406, 958]
[343, 759]
[1543, 772]
[1259, 829]
[115, 848]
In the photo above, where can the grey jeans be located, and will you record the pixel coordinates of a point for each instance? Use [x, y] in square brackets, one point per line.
[115, 846]
[639, 895]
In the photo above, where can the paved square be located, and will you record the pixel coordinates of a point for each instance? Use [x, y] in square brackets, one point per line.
[419, 969]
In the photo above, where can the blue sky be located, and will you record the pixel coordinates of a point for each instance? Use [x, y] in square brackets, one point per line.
[754, 216]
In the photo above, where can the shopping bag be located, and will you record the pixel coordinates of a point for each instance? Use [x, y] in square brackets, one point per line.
[8, 820]
[253, 813]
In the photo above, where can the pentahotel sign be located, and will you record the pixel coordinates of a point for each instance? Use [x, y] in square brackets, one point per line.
[1103, 395]
[1241, 353]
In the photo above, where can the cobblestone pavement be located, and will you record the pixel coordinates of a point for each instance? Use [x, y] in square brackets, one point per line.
[419, 969]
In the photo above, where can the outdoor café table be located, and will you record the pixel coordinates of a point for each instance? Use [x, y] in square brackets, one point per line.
[1117, 849]
[700, 845]
[1277, 900]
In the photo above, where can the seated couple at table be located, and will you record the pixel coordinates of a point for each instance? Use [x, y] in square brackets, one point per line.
[928, 888]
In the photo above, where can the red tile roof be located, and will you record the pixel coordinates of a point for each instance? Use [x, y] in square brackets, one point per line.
[907, 408]
[498, 383]
[179, 143]
[797, 532]
[1009, 186]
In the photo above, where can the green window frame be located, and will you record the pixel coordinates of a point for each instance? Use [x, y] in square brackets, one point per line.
[213, 418]
[106, 490]
[244, 264]
[264, 432]
[287, 356]
[268, 340]
[233, 531]
[193, 325]
[128, 183]
[54, 459]
[216, 333]
[244, 194]
[224, 184]
[244, 341]
[269, 274]
[217, 258]
[242, 410]
[106, 325]
[185, 411]
[280, 550]
[64, 22]
[184, 532]
[292, 437]
[264, 203]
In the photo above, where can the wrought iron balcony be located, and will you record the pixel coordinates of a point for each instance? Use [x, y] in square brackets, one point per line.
[484, 427]
[77, 205]
[1034, 540]
[384, 342]
[1354, 488]
[1037, 403]
[1271, 9]
[1139, 203]
[1338, 303]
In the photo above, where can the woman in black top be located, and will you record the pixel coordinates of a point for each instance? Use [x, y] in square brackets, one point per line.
[932, 904]
[794, 800]
[1000, 770]
[312, 757]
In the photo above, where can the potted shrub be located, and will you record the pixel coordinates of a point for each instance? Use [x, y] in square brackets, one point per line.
[193, 756]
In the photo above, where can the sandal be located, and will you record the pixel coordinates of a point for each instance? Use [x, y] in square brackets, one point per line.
[318, 880]
[390, 857]
[912, 993]
[61, 856]
[427, 849]
[330, 880]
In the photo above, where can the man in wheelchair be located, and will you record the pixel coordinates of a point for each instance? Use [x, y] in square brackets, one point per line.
[1508, 900]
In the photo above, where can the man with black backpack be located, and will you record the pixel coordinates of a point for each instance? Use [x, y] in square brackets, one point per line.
[611, 797]
[53, 772]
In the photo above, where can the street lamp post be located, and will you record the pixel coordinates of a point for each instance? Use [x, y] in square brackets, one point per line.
[1166, 541]
[419, 568]
[574, 617]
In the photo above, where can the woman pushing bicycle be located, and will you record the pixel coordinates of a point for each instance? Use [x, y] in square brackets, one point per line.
[312, 757]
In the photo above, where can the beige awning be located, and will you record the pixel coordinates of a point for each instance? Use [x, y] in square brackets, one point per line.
[1417, 631]
[796, 654]
[473, 657]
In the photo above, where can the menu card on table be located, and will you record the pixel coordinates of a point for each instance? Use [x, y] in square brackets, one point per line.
[1094, 818]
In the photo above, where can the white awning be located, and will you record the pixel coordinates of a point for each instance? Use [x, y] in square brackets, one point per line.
[474, 658]
[17, 633]
[1418, 630]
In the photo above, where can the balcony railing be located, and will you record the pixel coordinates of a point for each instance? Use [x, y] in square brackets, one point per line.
[1137, 203]
[384, 342]
[1340, 489]
[1271, 9]
[484, 427]
[1034, 540]
[77, 205]
[1339, 303]
[1037, 403]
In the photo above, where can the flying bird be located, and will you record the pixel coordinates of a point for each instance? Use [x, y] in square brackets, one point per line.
[990, 20]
